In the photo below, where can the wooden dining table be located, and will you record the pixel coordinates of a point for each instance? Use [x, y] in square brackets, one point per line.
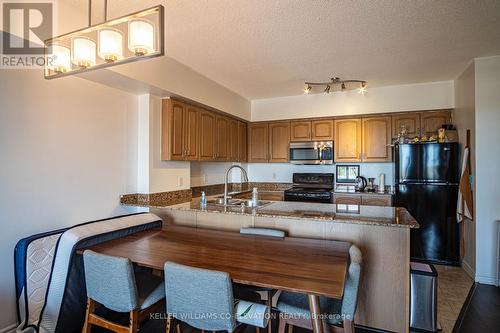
[308, 266]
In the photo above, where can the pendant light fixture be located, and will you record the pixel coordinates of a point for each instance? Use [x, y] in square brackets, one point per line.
[133, 37]
[335, 81]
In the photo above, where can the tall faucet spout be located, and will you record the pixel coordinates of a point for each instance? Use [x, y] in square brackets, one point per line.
[226, 180]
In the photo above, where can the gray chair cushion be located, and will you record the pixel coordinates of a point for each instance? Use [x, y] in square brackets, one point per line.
[297, 306]
[264, 232]
[199, 297]
[150, 288]
[110, 281]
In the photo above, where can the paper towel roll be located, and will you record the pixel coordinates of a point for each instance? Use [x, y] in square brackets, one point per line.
[251, 313]
[381, 183]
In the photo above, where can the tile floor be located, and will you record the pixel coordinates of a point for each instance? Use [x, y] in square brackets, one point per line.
[453, 287]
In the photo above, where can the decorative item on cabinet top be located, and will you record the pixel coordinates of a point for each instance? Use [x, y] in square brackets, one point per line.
[103, 45]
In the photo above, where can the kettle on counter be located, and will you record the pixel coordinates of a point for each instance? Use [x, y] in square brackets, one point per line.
[361, 183]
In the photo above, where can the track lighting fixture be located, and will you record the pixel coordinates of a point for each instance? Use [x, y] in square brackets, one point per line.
[336, 81]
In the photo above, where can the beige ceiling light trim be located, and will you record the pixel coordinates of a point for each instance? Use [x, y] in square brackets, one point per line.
[133, 37]
[337, 82]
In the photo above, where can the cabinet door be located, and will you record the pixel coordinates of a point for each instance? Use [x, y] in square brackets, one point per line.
[377, 200]
[347, 199]
[191, 116]
[322, 130]
[431, 121]
[376, 145]
[258, 142]
[222, 138]
[207, 135]
[279, 141]
[300, 131]
[233, 140]
[347, 140]
[242, 141]
[172, 146]
[409, 120]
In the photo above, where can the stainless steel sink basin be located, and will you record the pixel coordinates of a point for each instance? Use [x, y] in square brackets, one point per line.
[236, 203]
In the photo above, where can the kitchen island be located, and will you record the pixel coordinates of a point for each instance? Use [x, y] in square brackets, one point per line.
[382, 234]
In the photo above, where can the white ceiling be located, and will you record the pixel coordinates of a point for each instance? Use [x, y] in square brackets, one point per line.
[268, 48]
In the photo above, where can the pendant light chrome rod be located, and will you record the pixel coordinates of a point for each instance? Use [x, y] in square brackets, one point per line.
[90, 13]
[105, 10]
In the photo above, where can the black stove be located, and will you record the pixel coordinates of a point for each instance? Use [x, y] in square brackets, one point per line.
[311, 187]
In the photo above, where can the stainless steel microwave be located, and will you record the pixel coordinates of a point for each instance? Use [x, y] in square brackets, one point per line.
[311, 152]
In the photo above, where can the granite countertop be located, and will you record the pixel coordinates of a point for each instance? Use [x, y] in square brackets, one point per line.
[369, 215]
[349, 189]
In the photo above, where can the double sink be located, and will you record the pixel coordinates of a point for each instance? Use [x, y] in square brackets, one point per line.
[219, 201]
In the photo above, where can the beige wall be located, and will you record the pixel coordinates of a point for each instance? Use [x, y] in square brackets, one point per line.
[424, 96]
[487, 118]
[68, 149]
[464, 119]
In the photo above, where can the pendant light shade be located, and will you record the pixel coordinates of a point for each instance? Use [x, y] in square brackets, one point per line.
[141, 37]
[110, 44]
[134, 37]
[84, 52]
[60, 58]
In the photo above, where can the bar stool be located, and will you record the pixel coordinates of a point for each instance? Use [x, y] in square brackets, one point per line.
[296, 307]
[112, 283]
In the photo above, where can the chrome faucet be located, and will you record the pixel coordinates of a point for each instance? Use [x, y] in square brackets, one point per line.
[245, 179]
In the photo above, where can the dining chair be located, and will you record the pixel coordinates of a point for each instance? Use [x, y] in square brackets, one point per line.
[264, 293]
[294, 307]
[112, 283]
[199, 297]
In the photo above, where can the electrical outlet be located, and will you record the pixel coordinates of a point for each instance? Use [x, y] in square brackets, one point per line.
[204, 178]
[180, 181]
[274, 175]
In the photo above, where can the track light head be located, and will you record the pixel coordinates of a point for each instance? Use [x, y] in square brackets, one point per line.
[307, 89]
[327, 89]
[342, 86]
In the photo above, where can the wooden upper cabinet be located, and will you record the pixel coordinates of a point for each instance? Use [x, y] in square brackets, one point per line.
[431, 121]
[410, 120]
[322, 130]
[242, 141]
[279, 141]
[177, 119]
[300, 131]
[347, 140]
[206, 135]
[376, 142]
[191, 123]
[222, 138]
[234, 147]
[258, 136]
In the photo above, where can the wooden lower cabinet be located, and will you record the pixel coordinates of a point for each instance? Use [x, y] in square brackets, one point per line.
[279, 140]
[363, 199]
[346, 199]
[258, 142]
[376, 200]
[376, 139]
[347, 144]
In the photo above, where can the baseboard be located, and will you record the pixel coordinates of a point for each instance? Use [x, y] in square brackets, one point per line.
[468, 270]
[487, 280]
[9, 329]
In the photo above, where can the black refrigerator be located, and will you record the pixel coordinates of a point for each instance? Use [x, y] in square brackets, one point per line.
[426, 184]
